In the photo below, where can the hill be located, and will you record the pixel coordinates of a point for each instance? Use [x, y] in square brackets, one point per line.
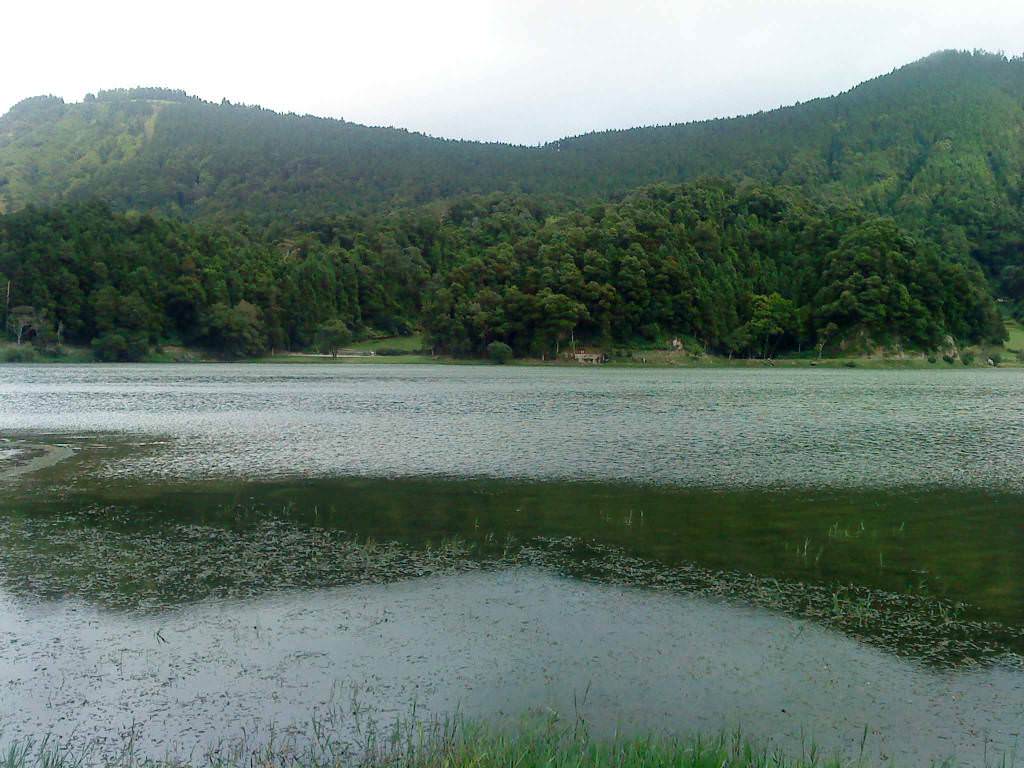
[380, 228]
[939, 144]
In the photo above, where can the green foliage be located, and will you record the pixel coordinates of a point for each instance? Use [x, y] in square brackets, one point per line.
[771, 317]
[908, 183]
[332, 336]
[967, 358]
[114, 347]
[237, 331]
[459, 743]
[19, 354]
[140, 280]
[934, 144]
[499, 352]
[893, 286]
[741, 269]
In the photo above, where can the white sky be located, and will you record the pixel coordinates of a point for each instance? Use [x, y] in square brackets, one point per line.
[524, 71]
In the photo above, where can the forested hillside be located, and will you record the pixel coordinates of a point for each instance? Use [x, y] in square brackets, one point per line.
[740, 270]
[147, 215]
[939, 144]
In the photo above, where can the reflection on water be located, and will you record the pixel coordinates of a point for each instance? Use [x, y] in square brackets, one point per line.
[147, 544]
[794, 552]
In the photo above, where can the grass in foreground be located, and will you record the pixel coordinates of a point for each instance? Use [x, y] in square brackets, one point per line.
[465, 744]
[465, 747]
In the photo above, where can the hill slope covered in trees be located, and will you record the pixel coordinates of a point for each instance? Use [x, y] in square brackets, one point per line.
[742, 270]
[471, 240]
[942, 138]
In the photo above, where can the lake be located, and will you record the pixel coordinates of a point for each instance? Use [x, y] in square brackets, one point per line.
[193, 551]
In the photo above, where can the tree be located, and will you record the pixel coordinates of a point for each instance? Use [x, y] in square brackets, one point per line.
[104, 303]
[22, 321]
[120, 347]
[236, 331]
[823, 336]
[5, 285]
[499, 352]
[771, 317]
[561, 314]
[332, 336]
[745, 268]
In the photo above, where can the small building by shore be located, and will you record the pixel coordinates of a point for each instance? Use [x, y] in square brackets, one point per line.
[589, 358]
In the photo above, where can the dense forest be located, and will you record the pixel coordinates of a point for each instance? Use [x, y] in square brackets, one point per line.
[747, 270]
[891, 214]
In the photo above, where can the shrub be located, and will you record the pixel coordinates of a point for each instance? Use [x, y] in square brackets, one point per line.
[22, 354]
[118, 348]
[109, 347]
[499, 352]
[967, 358]
[651, 331]
[332, 336]
[996, 358]
[931, 359]
[949, 359]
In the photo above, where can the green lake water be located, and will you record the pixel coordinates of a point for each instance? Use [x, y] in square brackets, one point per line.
[801, 553]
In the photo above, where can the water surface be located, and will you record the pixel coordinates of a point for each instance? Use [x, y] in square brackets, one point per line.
[723, 428]
[799, 553]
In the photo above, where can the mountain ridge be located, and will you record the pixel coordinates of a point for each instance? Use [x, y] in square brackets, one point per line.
[61, 151]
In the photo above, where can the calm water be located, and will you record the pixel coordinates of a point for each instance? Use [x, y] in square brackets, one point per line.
[793, 552]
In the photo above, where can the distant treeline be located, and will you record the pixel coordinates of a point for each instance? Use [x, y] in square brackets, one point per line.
[743, 269]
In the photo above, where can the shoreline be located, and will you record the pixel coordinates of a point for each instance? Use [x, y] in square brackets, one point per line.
[20, 457]
[410, 351]
[655, 362]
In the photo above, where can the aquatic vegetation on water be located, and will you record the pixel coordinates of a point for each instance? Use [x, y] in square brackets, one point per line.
[123, 561]
[917, 626]
[167, 565]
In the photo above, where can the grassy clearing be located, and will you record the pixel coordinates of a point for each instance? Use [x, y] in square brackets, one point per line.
[409, 344]
[362, 360]
[1016, 341]
[177, 354]
[389, 349]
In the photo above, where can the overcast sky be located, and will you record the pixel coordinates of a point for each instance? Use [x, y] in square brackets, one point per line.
[524, 71]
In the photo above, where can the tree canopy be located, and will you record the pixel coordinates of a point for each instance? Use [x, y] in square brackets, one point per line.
[743, 269]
